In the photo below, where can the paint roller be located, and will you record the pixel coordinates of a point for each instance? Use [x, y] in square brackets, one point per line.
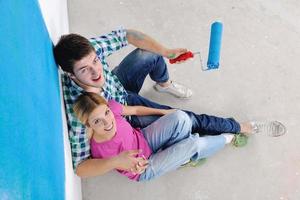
[213, 61]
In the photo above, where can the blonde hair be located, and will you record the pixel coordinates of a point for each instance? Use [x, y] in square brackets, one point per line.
[85, 104]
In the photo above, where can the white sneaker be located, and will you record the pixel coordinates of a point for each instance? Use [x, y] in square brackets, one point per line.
[175, 89]
[273, 128]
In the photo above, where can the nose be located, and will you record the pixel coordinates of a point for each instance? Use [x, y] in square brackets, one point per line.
[105, 122]
[93, 70]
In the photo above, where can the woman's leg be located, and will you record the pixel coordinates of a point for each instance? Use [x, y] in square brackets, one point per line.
[171, 158]
[168, 130]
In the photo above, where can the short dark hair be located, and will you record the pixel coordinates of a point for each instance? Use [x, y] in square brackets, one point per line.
[69, 49]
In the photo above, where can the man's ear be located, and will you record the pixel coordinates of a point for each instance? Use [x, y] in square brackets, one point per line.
[71, 75]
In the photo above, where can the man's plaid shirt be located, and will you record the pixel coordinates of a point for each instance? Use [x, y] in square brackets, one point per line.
[104, 45]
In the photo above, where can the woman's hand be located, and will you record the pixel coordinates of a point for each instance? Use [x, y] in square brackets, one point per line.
[140, 167]
[128, 161]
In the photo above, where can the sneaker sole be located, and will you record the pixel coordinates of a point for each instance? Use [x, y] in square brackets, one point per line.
[179, 97]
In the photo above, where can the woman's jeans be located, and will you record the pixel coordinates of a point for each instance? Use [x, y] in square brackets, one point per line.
[132, 72]
[172, 144]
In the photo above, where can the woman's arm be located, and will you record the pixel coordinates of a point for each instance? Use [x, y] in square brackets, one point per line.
[126, 160]
[142, 110]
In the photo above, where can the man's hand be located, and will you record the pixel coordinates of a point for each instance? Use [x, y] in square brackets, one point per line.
[174, 53]
[165, 112]
[128, 161]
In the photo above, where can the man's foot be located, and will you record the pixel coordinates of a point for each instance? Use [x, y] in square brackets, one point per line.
[175, 89]
[273, 128]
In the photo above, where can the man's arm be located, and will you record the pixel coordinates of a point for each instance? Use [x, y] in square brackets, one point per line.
[145, 42]
[142, 110]
[126, 160]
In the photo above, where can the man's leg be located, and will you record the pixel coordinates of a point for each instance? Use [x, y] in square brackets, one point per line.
[134, 99]
[135, 67]
[201, 123]
[212, 125]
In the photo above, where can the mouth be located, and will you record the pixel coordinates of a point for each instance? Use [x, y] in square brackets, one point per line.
[97, 79]
[110, 127]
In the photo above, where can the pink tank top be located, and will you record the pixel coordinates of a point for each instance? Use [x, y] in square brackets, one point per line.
[126, 138]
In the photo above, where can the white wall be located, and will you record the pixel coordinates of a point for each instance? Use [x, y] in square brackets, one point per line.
[55, 15]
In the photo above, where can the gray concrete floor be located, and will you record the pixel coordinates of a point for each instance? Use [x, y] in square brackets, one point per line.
[258, 80]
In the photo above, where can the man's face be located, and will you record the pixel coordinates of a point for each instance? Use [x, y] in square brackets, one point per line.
[88, 71]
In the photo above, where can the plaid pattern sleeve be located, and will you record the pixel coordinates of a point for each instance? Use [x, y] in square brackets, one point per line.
[105, 45]
[112, 89]
[80, 147]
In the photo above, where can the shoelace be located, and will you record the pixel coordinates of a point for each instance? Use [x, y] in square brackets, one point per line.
[180, 89]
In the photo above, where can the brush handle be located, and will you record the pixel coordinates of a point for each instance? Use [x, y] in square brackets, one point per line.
[182, 57]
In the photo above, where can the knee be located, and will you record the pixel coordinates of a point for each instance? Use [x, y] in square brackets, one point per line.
[182, 119]
[148, 56]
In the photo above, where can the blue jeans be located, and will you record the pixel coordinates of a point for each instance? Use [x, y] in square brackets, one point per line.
[132, 72]
[173, 144]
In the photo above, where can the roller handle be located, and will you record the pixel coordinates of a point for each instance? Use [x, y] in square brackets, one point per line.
[182, 57]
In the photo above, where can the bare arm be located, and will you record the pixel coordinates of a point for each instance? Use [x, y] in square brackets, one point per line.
[126, 160]
[95, 167]
[145, 42]
[142, 110]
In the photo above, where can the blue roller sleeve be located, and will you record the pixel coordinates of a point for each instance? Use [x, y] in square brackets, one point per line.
[215, 45]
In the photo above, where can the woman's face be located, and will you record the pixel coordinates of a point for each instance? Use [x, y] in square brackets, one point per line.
[103, 122]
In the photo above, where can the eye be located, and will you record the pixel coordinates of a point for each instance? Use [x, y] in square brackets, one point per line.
[107, 112]
[83, 71]
[96, 60]
[96, 121]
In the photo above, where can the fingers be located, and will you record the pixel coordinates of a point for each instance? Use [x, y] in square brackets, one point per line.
[134, 152]
[181, 50]
[138, 168]
[140, 165]
[142, 162]
[179, 62]
[173, 53]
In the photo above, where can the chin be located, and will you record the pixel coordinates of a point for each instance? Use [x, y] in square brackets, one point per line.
[96, 85]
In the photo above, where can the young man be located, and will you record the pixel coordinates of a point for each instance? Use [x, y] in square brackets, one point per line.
[85, 69]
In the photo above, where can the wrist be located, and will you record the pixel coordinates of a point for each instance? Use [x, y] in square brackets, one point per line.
[166, 53]
[115, 163]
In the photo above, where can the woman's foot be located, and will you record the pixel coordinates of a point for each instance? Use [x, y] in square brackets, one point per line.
[237, 140]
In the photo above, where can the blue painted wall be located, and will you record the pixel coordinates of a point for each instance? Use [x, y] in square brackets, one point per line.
[31, 136]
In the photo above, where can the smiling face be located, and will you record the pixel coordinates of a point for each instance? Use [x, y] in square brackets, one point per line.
[88, 72]
[102, 121]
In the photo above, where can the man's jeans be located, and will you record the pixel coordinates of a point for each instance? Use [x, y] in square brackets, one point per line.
[172, 144]
[132, 72]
